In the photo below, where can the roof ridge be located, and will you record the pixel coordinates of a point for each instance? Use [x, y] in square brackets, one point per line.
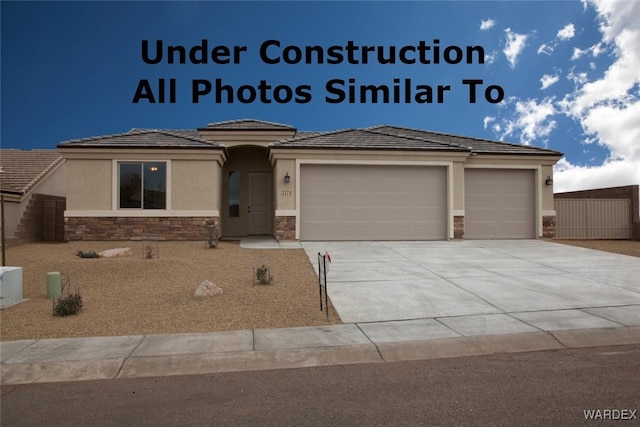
[172, 132]
[142, 131]
[245, 120]
[473, 138]
[415, 138]
[111, 135]
[314, 135]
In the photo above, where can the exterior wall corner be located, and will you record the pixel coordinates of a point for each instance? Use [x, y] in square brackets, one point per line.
[549, 226]
[458, 227]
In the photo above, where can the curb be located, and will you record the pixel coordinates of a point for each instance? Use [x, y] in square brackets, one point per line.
[26, 370]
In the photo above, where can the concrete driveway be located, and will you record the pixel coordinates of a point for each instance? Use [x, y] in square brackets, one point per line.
[453, 288]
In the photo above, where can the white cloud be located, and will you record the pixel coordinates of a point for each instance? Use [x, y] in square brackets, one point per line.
[594, 50]
[567, 32]
[488, 120]
[531, 120]
[487, 25]
[515, 44]
[577, 53]
[606, 108]
[548, 80]
[612, 173]
[546, 49]
[490, 58]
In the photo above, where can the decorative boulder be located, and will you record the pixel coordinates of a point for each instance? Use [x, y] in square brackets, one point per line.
[112, 253]
[207, 289]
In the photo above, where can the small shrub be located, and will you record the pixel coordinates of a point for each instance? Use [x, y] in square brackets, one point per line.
[87, 254]
[149, 252]
[263, 276]
[68, 305]
[212, 237]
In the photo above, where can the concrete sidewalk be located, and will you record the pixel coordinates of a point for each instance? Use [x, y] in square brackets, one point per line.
[96, 358]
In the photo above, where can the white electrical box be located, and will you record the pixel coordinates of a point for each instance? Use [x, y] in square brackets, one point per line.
[10, 286]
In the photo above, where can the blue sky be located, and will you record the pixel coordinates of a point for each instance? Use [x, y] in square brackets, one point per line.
[570, 71]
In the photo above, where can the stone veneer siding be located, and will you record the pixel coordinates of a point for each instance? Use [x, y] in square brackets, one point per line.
[458, 227]
[136, 228]
[285, 227]
[549, 226]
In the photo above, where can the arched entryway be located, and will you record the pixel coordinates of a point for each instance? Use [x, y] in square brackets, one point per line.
[247, 193]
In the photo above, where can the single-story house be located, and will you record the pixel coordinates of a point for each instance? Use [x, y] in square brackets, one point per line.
[33, 188]
[251, 177]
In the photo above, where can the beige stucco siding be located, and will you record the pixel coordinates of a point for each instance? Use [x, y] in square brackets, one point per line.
[547, 190]
[89, 184]
[195, 185]
[193, 181]
[285, 193]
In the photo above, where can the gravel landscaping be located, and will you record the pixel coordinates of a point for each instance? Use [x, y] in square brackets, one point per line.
[623, 247]
[133, 295]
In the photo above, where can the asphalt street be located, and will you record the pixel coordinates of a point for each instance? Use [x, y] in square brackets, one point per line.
[555, 387]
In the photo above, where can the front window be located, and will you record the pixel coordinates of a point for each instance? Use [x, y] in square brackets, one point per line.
[143, 185]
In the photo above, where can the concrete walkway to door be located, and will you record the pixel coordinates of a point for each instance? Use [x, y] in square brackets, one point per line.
[424, 290]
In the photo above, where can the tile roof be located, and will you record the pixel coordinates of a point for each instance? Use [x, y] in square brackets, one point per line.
[247, 124]
[365, 139]
[145, 138]
[22, 170]
[383, 137]
[476, 145]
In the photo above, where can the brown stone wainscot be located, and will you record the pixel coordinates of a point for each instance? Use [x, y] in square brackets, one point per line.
[549, 226]
[135, 228]
[458, 227]
[285, 227]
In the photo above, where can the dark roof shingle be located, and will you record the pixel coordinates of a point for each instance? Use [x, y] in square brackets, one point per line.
[247, 124]
[476, 145]
[145, 138]
[364, 139]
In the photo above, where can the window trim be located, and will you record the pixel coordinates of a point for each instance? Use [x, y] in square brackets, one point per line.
[115, 194]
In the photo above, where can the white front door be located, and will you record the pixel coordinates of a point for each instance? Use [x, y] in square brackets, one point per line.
[260, 203]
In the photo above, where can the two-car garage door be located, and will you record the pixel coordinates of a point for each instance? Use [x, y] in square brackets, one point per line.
[371, 202]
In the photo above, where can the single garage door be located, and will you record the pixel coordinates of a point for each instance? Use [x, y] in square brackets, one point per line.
[499, 204]
[357, 202]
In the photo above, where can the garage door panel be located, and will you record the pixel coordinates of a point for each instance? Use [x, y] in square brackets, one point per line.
[373, 202]
[499, 204]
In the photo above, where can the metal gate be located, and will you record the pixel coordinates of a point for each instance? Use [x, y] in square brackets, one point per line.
[593, 218]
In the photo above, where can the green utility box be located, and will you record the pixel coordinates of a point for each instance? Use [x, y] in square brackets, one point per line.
[54, 285]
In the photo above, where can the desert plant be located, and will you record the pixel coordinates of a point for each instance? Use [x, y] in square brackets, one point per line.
[87, 254]
[263, 276]
[68, 305]
[212, 237]
[149, 251]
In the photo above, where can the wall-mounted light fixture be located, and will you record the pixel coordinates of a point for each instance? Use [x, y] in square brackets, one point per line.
[287, 178]
[548, 181]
